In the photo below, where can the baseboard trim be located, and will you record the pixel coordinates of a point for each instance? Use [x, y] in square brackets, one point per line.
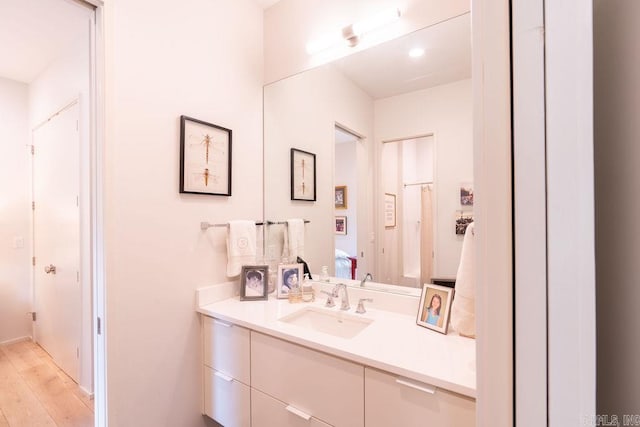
[15, 340]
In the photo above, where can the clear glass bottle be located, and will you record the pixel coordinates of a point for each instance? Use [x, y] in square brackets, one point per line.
[307, 289]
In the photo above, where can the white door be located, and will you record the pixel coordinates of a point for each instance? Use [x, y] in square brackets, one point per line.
[56, 171]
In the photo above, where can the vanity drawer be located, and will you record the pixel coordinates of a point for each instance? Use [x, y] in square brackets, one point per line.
[393, 400]
[226, 400]
[269, 412]
[327, 387]
[226, 348]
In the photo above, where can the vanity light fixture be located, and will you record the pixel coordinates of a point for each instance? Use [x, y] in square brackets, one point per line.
[352, 33]
[416, 52]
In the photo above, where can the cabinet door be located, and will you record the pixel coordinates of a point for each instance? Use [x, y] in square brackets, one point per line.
[269, 412]
[327, 387]
[226, 348]
[226, 400]
[395, 401]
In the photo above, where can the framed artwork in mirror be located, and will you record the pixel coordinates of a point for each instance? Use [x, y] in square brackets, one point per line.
[341, 197]
[341, 225]
[389, 210]
[205, 158]
[435, 304]
[254, 282]
[289, 276]
[303, 175]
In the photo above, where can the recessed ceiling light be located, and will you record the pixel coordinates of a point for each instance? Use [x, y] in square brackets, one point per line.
[416, 52]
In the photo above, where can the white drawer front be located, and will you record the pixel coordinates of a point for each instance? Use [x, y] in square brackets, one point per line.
[226, 400]
[327, 387]
[226, 348]
[269, 412]
[395, 401]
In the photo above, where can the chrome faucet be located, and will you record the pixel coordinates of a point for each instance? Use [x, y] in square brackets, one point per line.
[367, 276]
[345, 299]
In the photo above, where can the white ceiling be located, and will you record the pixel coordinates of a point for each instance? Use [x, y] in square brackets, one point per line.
[34, 32]
[266, 4]
[387, 70]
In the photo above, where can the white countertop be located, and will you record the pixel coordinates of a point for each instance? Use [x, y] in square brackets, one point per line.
[392, 342]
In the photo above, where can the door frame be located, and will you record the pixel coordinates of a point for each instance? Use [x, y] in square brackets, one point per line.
[97, 142]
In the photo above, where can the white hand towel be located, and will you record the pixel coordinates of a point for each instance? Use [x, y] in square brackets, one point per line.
[241, 246]
[294, 239]
[463, 310]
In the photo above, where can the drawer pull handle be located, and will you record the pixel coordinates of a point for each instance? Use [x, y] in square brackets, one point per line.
[223, 376]
[298, 412]
[422, 387]
[221, 323]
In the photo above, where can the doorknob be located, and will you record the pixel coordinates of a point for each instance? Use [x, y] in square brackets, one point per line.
[50, 269]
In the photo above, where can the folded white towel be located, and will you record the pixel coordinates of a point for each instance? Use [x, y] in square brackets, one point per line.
[293, 245]
[463, 310]
[241, 246]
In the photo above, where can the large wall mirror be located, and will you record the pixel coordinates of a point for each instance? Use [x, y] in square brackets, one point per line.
[390, 131]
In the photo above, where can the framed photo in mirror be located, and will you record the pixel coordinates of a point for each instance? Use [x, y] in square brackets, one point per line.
[254, 282]
[205, 158]
[435, 304]
[289, 276]
[341, 225]
[303, 175]
[389, 210]
[341, 197]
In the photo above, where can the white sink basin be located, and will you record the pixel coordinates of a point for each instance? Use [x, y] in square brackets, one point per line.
[336, 323]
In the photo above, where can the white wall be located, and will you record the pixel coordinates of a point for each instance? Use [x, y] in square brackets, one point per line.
[291, 24]
[346, 174]
[203, 59]
[67, 78]
[446, 112]
[293, 121]
[15, 212]
[616, 109]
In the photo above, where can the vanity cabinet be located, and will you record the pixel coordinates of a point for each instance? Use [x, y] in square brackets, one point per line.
[323, 386]
[256, 380]
[394, 400]
[227, 397]
[267, 411]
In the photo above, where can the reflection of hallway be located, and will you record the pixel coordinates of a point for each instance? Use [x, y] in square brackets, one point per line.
[34, 391]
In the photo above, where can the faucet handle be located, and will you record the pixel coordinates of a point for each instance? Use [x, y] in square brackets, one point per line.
[360, 309]
[330, 296]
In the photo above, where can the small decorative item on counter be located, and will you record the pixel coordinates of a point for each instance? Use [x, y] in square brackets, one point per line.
[307, 290]
[295, 294]
[324, 274]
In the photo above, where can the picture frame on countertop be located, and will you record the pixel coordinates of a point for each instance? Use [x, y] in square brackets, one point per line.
[289, 275]
[435, 307]
[254, 282]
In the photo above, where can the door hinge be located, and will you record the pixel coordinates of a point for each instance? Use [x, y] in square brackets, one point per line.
[33, 261]
[33, 206]
[99, 324]
[77, 125]
[77, 200]
[33, 316]
[77, 276]
[33, 150]
[77, 353]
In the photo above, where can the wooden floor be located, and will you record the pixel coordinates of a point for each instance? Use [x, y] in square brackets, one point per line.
[34, 392]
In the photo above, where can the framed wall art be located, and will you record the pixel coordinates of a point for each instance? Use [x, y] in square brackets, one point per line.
[435, 304]
[303, 175]
[341, 197]
[205, 158]
[341, 225]
[254, 282]
[389, 210]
